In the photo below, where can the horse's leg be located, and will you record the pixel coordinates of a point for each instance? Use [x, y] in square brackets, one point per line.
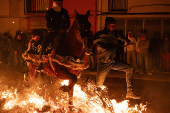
[63, 73]
[32, 72]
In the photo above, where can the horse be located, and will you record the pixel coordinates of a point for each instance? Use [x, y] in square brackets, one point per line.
[68, 59]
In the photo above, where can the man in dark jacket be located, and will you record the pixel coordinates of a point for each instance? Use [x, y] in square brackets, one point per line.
[58, 22]
[107, 45]
[18, 46]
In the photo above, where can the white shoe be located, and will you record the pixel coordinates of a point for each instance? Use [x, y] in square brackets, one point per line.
[130, 94]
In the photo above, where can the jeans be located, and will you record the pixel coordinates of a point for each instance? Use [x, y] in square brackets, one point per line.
[131, 55]
[144, 61]
[104, 68]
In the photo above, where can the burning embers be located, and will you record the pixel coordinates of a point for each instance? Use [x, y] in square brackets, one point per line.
[30, 102]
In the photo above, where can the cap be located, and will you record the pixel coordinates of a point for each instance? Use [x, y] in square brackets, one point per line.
[35, 32]
[109, 20]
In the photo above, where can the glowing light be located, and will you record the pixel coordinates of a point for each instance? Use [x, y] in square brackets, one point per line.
[31, 102]
[65, 82]
[13, 22]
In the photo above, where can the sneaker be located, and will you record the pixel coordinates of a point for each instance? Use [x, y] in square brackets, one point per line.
[130, 94]
[149, 73]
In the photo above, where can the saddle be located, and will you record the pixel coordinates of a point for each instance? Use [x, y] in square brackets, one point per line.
[67, 61]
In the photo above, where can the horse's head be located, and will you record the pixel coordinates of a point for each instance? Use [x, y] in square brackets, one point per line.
[84, 26]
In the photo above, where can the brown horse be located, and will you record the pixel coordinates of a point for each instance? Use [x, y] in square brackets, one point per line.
[68, 59]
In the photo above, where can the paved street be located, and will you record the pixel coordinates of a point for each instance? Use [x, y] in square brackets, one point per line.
[154, 89]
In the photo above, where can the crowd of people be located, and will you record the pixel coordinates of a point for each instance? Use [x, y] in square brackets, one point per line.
[12, 48]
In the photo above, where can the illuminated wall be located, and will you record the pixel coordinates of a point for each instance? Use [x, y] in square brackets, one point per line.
[148, 6]
[12, 16]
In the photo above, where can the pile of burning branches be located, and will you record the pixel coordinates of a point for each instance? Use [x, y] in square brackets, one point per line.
[30, 100]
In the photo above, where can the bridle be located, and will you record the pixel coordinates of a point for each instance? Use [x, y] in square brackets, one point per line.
[83, 38]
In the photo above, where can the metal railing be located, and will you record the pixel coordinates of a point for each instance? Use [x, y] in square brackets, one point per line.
[118, 5]
[37, 6]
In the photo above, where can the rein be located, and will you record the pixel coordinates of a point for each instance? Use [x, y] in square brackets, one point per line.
[78, 26]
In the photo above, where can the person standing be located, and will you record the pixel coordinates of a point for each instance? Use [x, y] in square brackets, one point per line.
[155, 45]
[18, 51]
[130, 50]
[4, 46]
[137, 49]
[10, 51]
[107, 46]
[143, 47]
[58, 22]
[166, 54]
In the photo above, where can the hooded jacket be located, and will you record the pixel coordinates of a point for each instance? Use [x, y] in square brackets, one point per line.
[130, 47]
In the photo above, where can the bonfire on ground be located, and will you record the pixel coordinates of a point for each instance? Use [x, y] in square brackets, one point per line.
[47, 98]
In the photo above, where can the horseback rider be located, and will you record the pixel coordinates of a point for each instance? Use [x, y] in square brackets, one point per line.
[58, 22]
[107, 46]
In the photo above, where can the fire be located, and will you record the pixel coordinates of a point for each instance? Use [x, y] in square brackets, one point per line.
[65, 82]
[31, 102]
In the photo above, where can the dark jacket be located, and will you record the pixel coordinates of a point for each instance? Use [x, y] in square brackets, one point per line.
[34, 47]
[57, 20]
[19, 46]
[107, 44]
[109, 40]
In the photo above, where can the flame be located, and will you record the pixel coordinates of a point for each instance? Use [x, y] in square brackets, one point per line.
[65, 82]
[31, 102]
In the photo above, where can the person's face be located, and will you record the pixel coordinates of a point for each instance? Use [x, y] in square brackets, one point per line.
[130, 34]
[139, 37]
[144, 38]
[57, 3]
[166, 38]
[111, 27]
[36, 37]
[19, 37]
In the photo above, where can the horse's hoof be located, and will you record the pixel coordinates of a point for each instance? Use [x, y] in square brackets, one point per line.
[72, 108]
[64, 88]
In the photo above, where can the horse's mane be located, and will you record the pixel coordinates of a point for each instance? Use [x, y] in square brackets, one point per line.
[71, 44]
[74, 41]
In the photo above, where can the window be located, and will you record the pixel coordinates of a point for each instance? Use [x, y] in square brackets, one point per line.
[118, 5]
[37, 6]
